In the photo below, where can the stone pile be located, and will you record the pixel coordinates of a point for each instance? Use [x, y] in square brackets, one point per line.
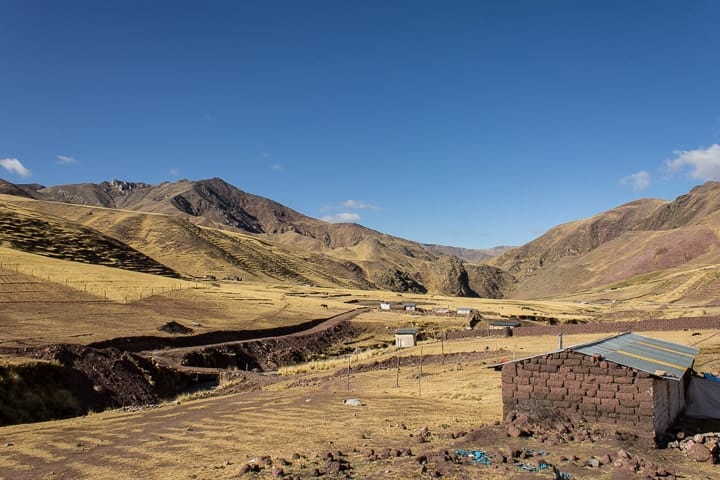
[701, 447]
[626, 465]
[555, 432]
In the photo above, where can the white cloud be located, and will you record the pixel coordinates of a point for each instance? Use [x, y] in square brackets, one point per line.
[350, 205]
[343, 217]
[65, 160]
[703, 163]
[356, 205]
[13, 165]
[639, 180]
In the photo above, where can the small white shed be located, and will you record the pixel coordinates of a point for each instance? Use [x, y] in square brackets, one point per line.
[385, 305]
[464, 311]
[405, 337]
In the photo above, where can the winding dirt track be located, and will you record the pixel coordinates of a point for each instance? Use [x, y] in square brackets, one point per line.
[173, 356]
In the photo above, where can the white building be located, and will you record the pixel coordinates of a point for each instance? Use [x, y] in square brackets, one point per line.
[405, 337]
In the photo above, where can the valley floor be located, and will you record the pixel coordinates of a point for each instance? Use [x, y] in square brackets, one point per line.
[298, 419]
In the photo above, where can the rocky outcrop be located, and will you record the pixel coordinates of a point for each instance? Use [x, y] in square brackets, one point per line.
[399, 281]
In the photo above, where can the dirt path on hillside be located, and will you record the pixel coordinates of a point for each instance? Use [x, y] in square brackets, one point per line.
[175, 356]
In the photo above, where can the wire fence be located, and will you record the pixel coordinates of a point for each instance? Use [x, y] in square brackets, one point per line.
[27, 283]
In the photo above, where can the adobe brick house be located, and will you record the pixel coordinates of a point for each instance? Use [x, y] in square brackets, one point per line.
[628, 379]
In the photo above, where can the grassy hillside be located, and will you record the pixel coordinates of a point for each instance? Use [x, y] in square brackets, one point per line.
[334, 255]
[665, 251]
[35, 232]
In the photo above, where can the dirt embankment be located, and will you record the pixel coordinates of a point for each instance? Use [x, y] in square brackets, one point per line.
[149, 342]
[74, 379]
[267, 354]
[71, 380]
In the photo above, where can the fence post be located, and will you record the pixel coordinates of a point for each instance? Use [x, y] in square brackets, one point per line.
[348, 373]
[442, 348]
[420, 376]
[397, 375]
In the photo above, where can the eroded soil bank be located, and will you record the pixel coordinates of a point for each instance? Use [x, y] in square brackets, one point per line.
[69, 380]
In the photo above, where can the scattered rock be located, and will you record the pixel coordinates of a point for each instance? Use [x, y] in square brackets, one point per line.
[249, 468]
[699, 453]
[514, 431]
[701, 447]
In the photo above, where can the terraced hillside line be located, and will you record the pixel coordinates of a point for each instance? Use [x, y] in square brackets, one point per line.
[248, 256]
[706, 287]
[57, 238]
[256, 256]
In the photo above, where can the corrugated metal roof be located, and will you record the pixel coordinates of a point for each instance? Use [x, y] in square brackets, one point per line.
[634, 351]
[505, 323]
[406, 331]
[643, 353]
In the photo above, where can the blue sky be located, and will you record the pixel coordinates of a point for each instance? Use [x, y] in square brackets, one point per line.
[465, 123]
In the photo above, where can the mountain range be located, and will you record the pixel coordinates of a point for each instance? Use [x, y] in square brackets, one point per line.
[211, 228]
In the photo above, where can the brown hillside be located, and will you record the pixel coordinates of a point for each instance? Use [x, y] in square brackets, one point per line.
[216, 203]
[468, 254]
[196, 251]
[7, 188]
[700, 206]
[357, 254]
[636, 239]
[39, 233]
[575, 238]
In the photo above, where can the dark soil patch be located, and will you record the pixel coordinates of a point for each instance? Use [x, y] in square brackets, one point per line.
[80, 379]
[271, 353]
[175, 327]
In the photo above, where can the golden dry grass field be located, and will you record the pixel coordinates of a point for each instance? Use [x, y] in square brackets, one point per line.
[47, 300]
[212, 438]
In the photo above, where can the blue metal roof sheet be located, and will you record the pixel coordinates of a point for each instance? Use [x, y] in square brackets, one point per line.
[643, 353]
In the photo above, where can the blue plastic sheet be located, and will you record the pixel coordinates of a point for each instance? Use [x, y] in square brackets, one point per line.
[477, 456]
[481, 457]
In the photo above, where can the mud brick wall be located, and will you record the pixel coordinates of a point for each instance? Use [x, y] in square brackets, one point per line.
[583, 387]
[699, 323]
